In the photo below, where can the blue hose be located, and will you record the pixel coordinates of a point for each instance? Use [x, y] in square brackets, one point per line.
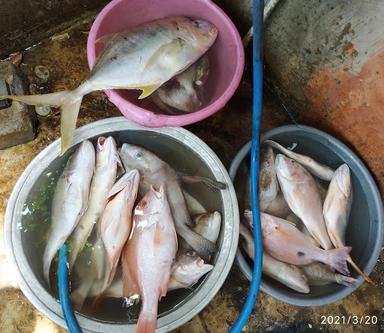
[63, 284]
[258, 7]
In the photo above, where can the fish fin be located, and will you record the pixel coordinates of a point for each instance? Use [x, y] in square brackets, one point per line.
[53, 99]
[148, 90]
[337, 258]
[107, 39]
[212, 183]
[160, 56]
[147, 322]
[358, 270]
[345, 280]
[70, 111]
[282, 231]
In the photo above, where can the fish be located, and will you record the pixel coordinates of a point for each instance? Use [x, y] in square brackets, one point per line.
[107, 164]
[155, 172]
[149, 254]
[70, 200]
[286, 243]
[303, 198]
[337, 208]
[193, 205]
[208, 225]
[319, 170]
[143, 58]
[186, 272]
[183, 93]
[289, 275]
[319, 275]
[116, 221]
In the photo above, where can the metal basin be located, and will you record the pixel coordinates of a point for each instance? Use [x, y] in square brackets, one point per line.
[365, 230]
[27, 221]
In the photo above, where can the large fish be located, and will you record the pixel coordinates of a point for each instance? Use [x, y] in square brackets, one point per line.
[149, 254]
[69, 200]
[186, 272]
[319, 275]
[319, 170]
[184, 92]
[143, 58]
[286, 243]
[302, 195]
[336, 210]
[154, 171]
[107, 162]
[289, 275]
[116, 221]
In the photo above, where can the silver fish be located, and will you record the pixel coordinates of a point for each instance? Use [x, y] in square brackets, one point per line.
[70, 200]
[336, 210]
[155, 172]
[319, 170]
[319, 275]
[107, 162]
[184, 91]
[289, 275]
[143, 58]
[286, 243]
[208, 225]
[302, 195]
[193, 205]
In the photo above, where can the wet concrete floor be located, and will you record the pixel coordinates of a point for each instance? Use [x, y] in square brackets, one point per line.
[225, 133]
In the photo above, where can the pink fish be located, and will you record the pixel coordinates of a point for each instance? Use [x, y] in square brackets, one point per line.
[149, 254]
[286, 243]
[116, 220]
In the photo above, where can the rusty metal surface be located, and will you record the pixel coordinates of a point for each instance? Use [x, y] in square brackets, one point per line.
[225, 133]
[327, 59]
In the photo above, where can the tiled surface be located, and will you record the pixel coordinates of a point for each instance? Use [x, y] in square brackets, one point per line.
[225, 132]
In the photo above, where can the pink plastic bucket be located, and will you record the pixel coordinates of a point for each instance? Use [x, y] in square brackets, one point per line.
[226, 55]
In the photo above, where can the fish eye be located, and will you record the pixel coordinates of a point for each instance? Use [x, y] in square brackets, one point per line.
[139, 155]
[196, 24]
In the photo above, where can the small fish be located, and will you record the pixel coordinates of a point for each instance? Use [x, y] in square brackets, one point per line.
[289, 275]
[268, 184]
[319, 170]
[107, 163]
[302, 195]
[149, 254]
[208, 225]
[143, 58]
[286, 243]
[186, 272]
[184, 92]
[69, 200]
[116, 220]
[193, 205]
[336, 210]
[319, 275]
[154, 171]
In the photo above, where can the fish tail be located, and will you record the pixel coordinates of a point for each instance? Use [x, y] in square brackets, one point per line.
[147, 322]
[201, 245]
[337, 258]
[345, 280]
[358, 270]
[68, 101]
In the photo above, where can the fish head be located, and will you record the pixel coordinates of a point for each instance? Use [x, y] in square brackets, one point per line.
[189, 268]
[136, 157]
[197, 32]
[342, 177]
[288, 168]
[107, 151]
